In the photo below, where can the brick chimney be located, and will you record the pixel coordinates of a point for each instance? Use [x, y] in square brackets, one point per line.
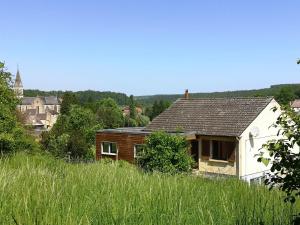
[186, 94]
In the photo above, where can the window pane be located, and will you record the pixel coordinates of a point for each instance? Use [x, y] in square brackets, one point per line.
[113, 148]
[215, 150]
[105, 147]
[205, 148]
[228, 148]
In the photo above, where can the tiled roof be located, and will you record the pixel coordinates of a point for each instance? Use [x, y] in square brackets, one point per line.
[296, 103]
[27, 100]
[49, 100]
[210, 116]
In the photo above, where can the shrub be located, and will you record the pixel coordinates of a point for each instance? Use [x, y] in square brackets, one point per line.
[165, 153]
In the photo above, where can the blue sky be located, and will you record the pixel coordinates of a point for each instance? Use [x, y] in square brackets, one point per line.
[145, 47]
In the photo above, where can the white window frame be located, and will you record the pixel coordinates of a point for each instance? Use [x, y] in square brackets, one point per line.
[109, 153]
[134, 149]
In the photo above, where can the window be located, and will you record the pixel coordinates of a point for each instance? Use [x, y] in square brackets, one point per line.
[222, 150]
[137, 150]
[109, 148]
[218, 152]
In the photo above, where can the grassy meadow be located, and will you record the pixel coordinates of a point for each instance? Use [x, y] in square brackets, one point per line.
[42, 190]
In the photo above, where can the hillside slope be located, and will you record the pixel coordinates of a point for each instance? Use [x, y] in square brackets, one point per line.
[271, 91]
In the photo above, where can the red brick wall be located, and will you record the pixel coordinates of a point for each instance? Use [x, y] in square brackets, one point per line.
[125, 145]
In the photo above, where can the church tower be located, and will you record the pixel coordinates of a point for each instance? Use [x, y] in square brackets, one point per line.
[18, 86]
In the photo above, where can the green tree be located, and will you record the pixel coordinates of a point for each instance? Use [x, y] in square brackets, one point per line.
[13, 136]
[157, 108]
[142, 120]
[298, 62]
[109, 114]
[285, 96]
[165, 153]
[285, 161]
[73, 134]
[297, 93]
[132, 107]
[68, 99]
[129, 122]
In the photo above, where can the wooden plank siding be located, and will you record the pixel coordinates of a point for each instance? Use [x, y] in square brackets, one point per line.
[125, 145]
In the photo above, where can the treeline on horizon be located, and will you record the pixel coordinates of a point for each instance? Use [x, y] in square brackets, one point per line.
[83, 96]
[274, 90]
[122, 99]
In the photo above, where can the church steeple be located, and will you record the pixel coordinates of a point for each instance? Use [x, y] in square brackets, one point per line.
[18, 86]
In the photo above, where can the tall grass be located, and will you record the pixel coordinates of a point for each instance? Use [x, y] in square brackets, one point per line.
[42, 190]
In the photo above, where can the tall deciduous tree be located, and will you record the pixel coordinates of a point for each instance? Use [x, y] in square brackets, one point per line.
[157, 108]
[132, 107]
[72, 134]
[285, 96]
[109, 113]
[12, 135]
[68, 100]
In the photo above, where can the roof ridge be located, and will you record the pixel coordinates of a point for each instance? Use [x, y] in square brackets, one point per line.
[211, 98]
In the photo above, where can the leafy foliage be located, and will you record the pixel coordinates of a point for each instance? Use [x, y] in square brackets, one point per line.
[83, 97]
[73, 134]
[165, 153]
[13, 136]
[285, 96]
[132, 107]
[157, 108]
[285, 156]
[109, 113]
[68, 100]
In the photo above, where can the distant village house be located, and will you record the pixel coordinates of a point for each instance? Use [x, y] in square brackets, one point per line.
[126, 110]
[296, 105]
[41, 112]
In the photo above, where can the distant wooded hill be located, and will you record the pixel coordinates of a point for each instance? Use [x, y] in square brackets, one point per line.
[123, 99]
[83, 96]
[271, 91]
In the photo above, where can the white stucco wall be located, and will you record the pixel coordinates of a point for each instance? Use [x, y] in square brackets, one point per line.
[297, 110]
[249, 146]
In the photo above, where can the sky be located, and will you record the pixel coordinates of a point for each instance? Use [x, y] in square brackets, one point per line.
[145, 47]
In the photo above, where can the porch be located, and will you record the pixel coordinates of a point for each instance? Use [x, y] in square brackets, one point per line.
[214, 154]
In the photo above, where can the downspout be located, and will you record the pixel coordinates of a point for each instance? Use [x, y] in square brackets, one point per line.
[237, 157]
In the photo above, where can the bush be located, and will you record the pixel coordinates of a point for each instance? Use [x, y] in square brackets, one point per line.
[165, 153]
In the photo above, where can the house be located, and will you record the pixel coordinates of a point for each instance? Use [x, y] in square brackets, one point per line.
[225, 134]
[296, 105]
[41, 112]
[126, 110]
